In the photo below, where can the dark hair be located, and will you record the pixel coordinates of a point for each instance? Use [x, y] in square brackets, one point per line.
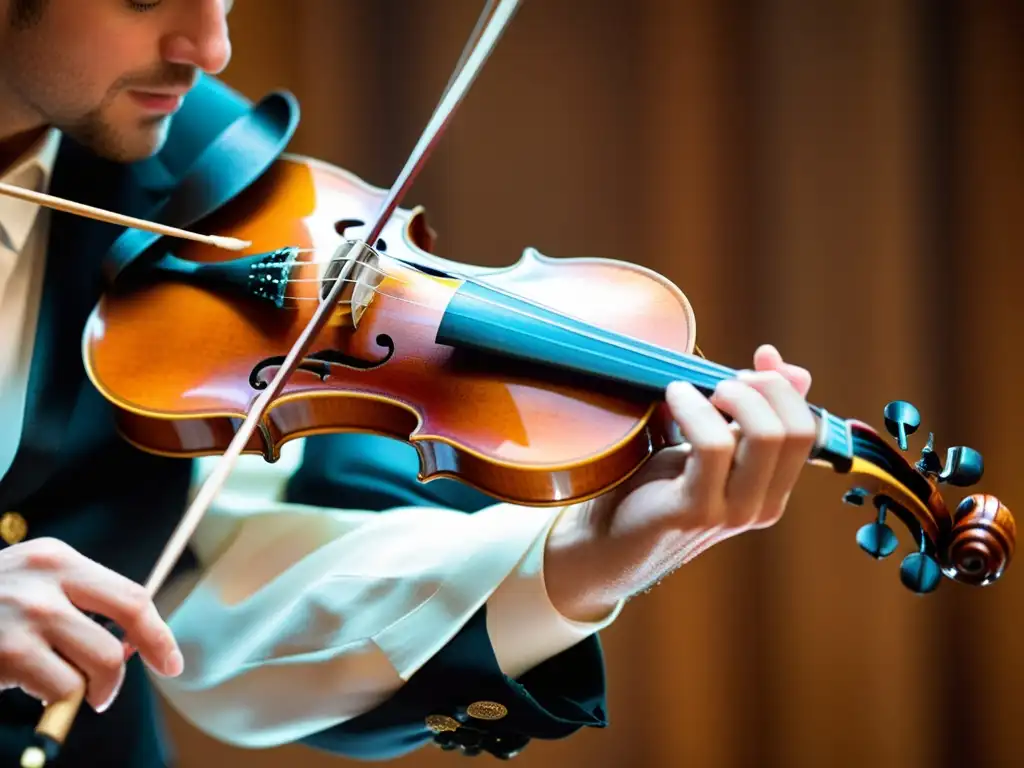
[25, 13]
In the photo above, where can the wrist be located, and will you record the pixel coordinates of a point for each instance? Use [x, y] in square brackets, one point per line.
[524, 624]
[581, 583]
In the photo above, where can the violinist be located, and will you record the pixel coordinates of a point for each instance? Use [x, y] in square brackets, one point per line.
[328, 599]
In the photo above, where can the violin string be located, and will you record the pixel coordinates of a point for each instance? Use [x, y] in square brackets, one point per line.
[346, 302]
[687, 362]
[318, 262]
[692, 362]
[319, 280]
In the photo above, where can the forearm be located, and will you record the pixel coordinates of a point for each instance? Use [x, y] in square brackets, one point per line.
[303, 617]
[593, 562]
[727, 478]
[309, 617]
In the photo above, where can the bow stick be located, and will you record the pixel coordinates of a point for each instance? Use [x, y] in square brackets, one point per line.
[58, 717]
[99, 214]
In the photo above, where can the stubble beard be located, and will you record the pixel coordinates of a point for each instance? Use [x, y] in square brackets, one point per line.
[122, 144]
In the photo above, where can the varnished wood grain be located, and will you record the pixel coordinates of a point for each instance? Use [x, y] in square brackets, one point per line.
[176, 359]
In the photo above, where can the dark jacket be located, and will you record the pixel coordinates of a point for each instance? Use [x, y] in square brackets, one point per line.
[75, 479]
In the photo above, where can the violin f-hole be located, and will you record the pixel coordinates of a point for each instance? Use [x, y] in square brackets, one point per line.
[358, 266]
[342, 227]
[320, 363]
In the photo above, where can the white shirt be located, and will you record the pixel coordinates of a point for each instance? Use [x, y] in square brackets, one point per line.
[301, 618]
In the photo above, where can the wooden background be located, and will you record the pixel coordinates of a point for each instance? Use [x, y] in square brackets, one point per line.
[844, 178]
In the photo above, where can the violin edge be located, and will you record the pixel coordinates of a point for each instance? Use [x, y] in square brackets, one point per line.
[440, 457]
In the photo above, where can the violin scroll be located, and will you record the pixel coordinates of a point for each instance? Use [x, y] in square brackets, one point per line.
[983, 539]
[972, 545]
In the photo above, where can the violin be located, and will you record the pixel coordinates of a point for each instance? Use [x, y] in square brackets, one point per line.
[317, 304]
[541, 383]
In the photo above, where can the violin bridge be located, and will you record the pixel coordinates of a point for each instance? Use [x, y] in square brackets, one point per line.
[358, 266]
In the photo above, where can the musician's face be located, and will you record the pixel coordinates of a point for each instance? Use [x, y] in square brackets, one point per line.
[109, 73]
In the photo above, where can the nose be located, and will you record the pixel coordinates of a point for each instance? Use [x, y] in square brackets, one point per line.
[201, 39]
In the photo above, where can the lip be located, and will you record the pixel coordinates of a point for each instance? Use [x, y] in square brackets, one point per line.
[160, 102]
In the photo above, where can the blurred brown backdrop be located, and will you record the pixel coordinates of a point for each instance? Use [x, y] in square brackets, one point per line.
[844, 178]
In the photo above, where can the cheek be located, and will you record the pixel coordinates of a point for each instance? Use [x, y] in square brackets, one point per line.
[62, 83]
[81, 73]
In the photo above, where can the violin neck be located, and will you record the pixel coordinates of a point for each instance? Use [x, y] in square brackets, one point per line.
[498, 323]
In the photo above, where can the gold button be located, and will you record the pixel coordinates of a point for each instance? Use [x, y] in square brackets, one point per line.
[13, 527]
[439, 723]
[486, 710]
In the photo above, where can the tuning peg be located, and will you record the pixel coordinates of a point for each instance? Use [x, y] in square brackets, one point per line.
[877, 538]
[919, 571]
[901, 419]
[964, 466]
[855, 496]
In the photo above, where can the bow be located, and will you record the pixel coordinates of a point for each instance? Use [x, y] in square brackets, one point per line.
[58, 716]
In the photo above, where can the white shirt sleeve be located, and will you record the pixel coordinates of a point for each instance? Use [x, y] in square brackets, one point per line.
[300, 618]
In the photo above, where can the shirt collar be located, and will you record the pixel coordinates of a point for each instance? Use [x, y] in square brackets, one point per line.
[33, 170]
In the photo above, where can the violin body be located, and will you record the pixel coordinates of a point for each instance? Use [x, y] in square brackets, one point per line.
[541, 383]
[181, 361]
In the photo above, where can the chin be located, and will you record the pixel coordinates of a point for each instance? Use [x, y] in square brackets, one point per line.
[143, 143]
[121, 144]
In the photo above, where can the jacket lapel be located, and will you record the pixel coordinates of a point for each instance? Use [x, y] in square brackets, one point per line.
[71, 287]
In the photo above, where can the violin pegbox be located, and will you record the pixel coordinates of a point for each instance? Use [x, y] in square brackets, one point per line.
[973, 545]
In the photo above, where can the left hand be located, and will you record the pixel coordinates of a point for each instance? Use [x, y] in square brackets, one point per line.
[725, 480]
